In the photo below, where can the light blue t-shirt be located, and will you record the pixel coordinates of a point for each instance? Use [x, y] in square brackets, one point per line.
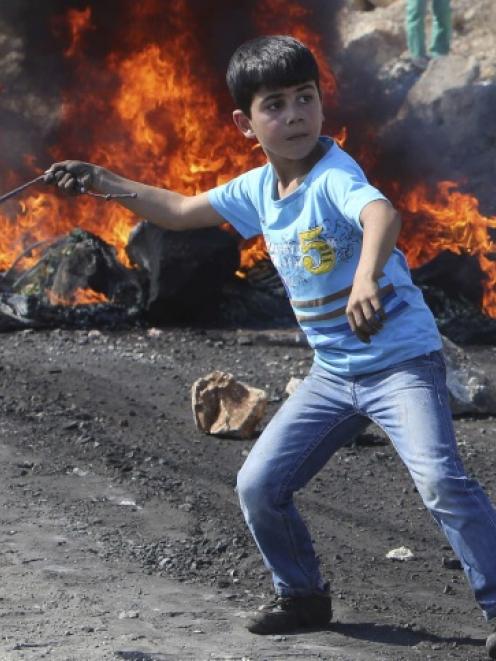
[314, 239]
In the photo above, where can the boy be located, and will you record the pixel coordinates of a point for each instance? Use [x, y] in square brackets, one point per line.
[332, 237]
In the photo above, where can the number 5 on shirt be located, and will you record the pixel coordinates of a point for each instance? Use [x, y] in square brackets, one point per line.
[326, 258]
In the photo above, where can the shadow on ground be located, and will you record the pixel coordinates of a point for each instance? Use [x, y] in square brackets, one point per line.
[391, 635]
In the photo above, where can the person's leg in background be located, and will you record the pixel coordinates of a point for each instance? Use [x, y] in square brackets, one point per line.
[415, 28]
[441, 28]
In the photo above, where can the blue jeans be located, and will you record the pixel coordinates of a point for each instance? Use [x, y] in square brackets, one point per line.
[409, 401]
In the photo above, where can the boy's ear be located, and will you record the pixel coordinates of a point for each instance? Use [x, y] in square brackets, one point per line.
[243, 122]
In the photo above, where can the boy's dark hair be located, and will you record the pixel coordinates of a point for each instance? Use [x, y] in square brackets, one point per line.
[271, 61]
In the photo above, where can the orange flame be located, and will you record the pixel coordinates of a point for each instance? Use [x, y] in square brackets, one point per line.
[283, 17]
[78, 297]
[253, 251]
[159, 121]
[154, 113]
[450, 221]
[79, 22]
[341, 136]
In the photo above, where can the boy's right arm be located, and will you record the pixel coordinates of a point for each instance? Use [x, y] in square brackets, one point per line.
[162, 207]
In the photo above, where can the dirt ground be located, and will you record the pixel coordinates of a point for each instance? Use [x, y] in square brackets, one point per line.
[121, 535]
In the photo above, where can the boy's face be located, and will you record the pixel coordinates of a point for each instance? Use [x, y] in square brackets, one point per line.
[286, 121]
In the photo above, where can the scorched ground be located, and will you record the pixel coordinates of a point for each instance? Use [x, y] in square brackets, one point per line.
[122, 536]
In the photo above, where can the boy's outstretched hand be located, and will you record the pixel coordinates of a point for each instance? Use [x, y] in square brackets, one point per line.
[165, 208]
[72, 177]
[364, 310]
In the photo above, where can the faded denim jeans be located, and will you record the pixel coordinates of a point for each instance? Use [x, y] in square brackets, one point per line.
[409, 401]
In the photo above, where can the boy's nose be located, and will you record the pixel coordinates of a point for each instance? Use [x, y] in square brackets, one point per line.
[293, 115]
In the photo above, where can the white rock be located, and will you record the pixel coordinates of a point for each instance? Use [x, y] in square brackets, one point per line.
[79, 472]
[292, 385]
[128, 615]
[154, 332]
[127, 502]
[401, 553]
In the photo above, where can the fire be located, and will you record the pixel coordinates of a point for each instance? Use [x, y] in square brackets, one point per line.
[42, 217]
[79, 22]
[159, 121]
[78, 297]
[282, 17]
[20, 230]
[88, 297]
[450, 221]
[152, 110]
[341, 136]
[253, 251]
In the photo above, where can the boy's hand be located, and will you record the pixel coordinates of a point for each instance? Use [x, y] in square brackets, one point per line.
[72, 177]
[364, 310]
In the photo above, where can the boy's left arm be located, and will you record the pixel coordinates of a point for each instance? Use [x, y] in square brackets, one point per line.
[381, 227]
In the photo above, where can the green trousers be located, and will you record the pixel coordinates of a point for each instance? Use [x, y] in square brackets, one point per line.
[415, 27]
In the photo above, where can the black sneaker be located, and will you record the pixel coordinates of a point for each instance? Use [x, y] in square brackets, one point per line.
[491, 645]
[290, 614]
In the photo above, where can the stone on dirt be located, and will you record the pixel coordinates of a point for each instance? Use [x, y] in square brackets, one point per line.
[471, 391]
[154, 332]
[225, 407]
[292, 385]
[128, 615]
[402, 553]
[451, 563]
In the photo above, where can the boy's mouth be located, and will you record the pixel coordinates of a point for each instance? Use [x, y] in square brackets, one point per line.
[298, 136]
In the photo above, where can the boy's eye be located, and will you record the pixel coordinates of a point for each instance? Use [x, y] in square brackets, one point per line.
[306, 98]
[275, 105]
